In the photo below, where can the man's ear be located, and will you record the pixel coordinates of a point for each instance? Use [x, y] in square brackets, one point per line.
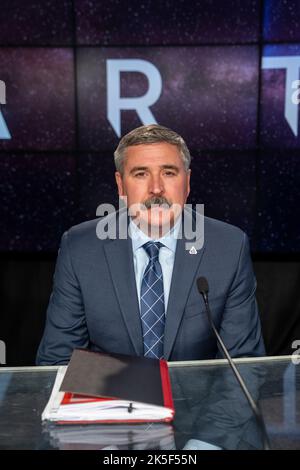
[188, 183]
[119, 182]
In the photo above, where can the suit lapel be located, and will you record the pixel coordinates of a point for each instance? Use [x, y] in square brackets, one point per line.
[184, 272]
[119, 258]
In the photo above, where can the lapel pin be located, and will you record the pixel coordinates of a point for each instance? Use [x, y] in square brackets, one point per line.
[193, 251]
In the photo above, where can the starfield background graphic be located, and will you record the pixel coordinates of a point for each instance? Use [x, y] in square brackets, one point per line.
[58, 165]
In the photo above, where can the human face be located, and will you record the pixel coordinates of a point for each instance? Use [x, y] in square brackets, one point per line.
[153, 174]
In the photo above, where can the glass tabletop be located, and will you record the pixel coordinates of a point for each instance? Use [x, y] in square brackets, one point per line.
[210, 410]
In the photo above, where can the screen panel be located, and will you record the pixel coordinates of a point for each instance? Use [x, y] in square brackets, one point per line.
[208, 94]
[278, 203]
[36, 22]
[40, 98]
[38, 200]
[280, 96]
[97, 182]
[281, 20]
[225, 182]
[166, 23]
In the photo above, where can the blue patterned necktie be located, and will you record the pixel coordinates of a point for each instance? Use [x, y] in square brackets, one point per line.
[153, 303]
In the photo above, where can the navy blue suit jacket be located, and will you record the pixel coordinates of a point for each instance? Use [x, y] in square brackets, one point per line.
[94, 303]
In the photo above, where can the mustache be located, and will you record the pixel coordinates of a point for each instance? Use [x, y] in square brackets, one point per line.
[157, 201]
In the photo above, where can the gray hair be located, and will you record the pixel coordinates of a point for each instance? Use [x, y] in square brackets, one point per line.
[151, 134]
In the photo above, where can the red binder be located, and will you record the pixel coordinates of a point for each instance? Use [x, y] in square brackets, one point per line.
[110, 388]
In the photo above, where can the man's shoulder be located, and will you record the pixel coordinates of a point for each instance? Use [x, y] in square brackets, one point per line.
[83, 236]
[220, 236]
[224, 241]
[82, 242]
[215, 227]
[219, 228]
[95, 231]
[85, 229]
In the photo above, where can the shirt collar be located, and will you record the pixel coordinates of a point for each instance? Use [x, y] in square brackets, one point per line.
[139, 238]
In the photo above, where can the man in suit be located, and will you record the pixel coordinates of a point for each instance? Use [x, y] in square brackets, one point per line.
[137, 295]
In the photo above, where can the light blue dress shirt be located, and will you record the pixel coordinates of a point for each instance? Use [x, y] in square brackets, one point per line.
[166, 256]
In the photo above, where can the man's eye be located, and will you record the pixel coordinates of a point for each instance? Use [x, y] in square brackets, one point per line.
[140, 174]
[170, 173]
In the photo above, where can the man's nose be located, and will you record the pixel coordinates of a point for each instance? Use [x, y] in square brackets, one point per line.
[156, 185]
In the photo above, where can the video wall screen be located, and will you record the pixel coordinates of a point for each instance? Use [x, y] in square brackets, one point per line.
[208, 94]
[166, 23]
[77, 75]
[39, 109]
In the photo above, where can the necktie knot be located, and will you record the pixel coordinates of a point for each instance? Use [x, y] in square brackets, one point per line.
[152, 250]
